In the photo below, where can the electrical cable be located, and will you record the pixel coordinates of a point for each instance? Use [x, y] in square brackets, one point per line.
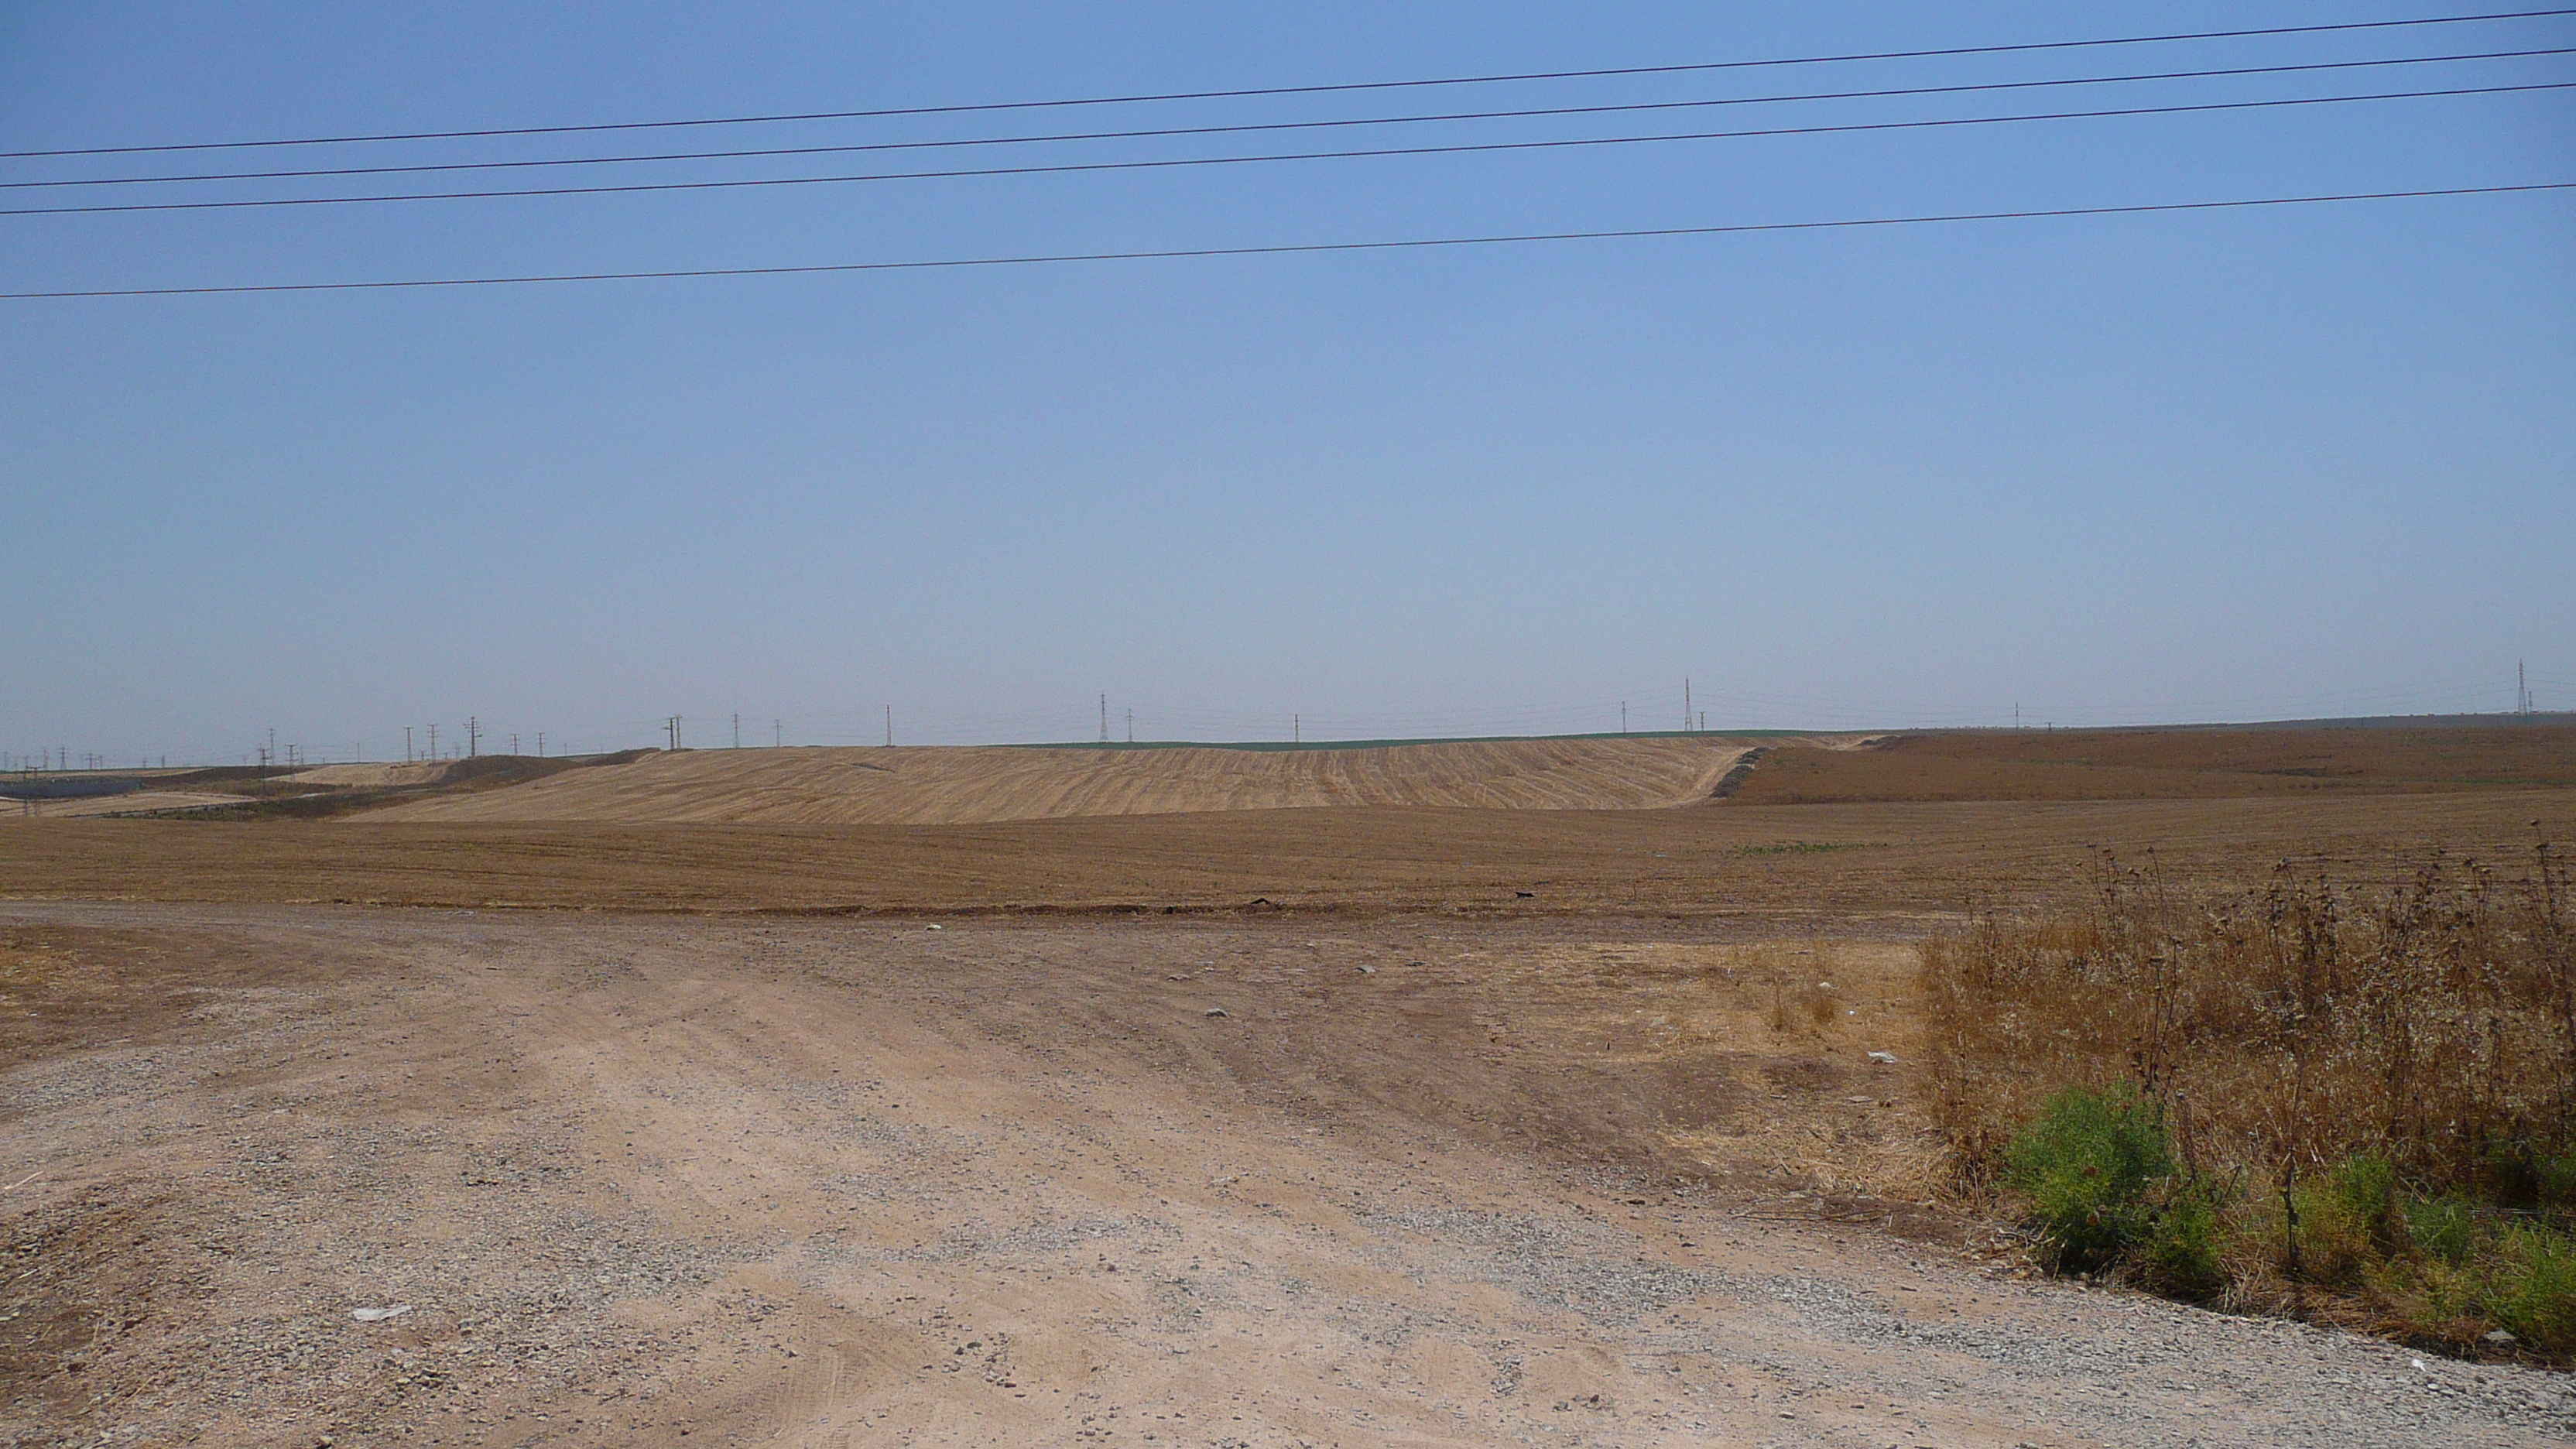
[1343, 87]
[1177, 131]
[1288, 249]
[1172, 163]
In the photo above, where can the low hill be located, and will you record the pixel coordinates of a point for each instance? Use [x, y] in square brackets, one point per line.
[944, 786]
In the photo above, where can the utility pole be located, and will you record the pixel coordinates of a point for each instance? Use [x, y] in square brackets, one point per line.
[541, 744]
[737, 729]
[1104, 719]
[2016, 714]
[433, 742]
[514, 745]
[406, 744]
[1686, 705]
[1131, 726]
[1296, 729]
[473, 736]
[2521, 689]
[889, 727]
[777, 734]
[1623, 716]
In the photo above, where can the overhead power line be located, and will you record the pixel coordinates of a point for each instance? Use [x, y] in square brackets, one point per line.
[1174, 163]
[1306, 90]
[1299, 248]
[1168, 132]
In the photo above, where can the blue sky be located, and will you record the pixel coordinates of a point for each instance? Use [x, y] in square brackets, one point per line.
[2208, 465]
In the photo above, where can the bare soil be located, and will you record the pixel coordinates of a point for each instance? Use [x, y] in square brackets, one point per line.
[2169, 764]
[669, 1181]
[1903, 866]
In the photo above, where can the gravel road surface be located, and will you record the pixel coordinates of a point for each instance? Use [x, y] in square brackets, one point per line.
[679, 1182]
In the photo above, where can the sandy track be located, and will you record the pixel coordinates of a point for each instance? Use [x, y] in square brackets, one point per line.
[667, 1183]
[902, 786]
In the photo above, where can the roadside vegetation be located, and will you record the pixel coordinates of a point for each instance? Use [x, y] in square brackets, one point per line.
[2355, 1104]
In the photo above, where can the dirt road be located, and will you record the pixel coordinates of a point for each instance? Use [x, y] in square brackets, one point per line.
[670, 1182]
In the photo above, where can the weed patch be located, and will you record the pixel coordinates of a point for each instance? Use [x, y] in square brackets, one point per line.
[2357, 1104]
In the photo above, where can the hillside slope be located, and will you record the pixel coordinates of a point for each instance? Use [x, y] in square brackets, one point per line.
[946, 786]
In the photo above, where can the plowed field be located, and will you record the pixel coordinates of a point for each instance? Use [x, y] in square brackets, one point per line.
[939, 786]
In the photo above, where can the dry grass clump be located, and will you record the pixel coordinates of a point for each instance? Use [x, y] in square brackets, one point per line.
[2355, 1103]
[1800, 999]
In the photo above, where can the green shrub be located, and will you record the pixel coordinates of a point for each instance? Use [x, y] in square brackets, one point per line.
[2446, 1227]
[2348, 1217]
[2182, 1256]
[2535, 1295]
[2365, 1188]
[2557, 1178]
[2086, 1163]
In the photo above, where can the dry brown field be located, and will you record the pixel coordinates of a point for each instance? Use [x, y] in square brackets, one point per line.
[942, 786]
[2169, 764]
[1354, 1124]
[1879, 863]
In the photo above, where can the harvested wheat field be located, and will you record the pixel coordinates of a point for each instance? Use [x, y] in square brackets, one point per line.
[1352, 1124]
[932, 786]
